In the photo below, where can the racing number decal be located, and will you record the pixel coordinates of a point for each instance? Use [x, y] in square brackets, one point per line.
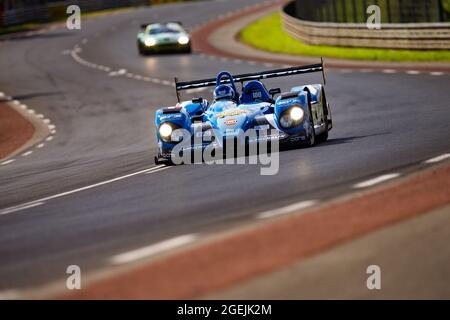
[256, 94]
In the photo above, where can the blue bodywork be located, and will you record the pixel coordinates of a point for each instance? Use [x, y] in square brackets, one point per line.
[254, 109]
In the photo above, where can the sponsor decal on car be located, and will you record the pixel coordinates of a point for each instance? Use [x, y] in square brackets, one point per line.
[231, 113]
[230, 122]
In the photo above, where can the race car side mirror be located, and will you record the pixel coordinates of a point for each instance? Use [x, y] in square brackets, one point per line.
[275, 91]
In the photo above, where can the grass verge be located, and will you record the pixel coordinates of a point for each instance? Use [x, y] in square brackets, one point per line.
[267, 34]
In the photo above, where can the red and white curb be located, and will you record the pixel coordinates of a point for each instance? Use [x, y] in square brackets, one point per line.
[37, 117]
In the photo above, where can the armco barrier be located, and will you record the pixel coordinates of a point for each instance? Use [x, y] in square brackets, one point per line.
[424, 36]
[54, 10]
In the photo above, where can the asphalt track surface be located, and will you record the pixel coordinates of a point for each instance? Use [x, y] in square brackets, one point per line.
[104, 129]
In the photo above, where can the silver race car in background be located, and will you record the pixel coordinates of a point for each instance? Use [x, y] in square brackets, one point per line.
[163, 37]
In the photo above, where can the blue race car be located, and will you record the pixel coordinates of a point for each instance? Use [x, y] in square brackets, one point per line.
[299, 117]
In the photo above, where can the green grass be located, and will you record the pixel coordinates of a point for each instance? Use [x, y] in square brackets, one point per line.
[268, 34]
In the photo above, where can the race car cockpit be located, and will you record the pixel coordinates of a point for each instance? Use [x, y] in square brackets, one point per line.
[254, 92]
[225, 75]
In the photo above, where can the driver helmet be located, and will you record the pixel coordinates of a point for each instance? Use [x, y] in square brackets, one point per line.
[224, 92]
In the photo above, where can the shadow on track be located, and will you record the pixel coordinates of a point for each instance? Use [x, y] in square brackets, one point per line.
[36, 95]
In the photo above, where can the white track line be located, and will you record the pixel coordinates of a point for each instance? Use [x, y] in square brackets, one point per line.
[40, 116]
[95, 185]
[117, 73]
[377, 180]
[438, 158]
[437, 73]
[153, 249]
[7, 162]
[157, 170]
[21, 207]
[288, 209]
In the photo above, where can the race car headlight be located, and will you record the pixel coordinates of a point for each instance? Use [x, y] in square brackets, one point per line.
[291, 117]
[286, 121]
[165, 131]
[296, 113]
[170, 132]
[149, 42]
[183, 40]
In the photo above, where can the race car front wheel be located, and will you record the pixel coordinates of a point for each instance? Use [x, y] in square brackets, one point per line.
[311, 138]
[323, 136]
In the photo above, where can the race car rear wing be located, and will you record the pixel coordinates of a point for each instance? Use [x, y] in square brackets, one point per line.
[180, 86]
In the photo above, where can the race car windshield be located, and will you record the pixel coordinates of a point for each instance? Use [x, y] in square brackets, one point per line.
[222, 105]
[162, 30]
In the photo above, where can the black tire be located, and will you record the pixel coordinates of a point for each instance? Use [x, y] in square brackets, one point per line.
[312, 137]
[140, 50]
[312, 140]
[167, 162]
[323, 136]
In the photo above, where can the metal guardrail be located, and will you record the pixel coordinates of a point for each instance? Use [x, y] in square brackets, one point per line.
[53, 10]
[393, 11]
[424, 36]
